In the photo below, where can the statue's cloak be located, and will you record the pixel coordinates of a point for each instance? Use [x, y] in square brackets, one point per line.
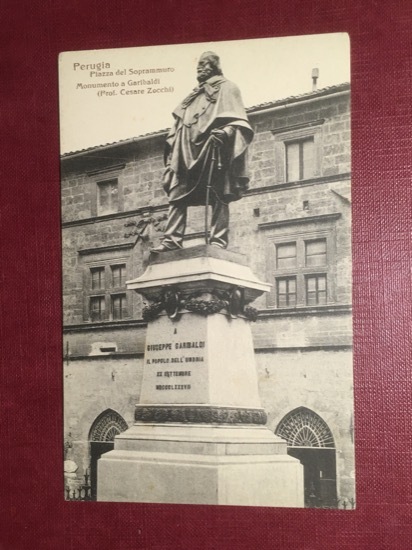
[217, 103]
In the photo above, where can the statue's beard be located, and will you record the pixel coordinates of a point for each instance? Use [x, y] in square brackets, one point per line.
[204, 75]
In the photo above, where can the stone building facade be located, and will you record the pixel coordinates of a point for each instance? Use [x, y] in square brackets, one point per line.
[293, 225]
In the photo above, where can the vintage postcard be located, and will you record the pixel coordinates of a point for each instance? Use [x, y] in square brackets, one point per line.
[206, 232]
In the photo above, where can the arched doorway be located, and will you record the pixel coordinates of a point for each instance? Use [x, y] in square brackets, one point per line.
[101, 438]
[310, 440]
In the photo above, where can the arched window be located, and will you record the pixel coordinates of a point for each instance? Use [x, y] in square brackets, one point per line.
[310, 440]
[101, 437]
[107, 426]
[304, 428]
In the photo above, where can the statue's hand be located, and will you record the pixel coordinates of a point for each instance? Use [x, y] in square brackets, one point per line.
[221, 136]
[218, 137]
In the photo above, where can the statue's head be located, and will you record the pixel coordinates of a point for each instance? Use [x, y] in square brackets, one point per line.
[208, 66]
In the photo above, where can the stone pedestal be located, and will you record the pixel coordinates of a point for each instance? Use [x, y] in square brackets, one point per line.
[199, 435]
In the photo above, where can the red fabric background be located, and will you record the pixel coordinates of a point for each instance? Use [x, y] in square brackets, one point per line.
[33, 513]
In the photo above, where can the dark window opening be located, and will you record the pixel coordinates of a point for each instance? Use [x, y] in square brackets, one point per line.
[286, 292]
[315, 253]
[300, 159]
[97, 278]
[285, 255]
[118, 275]
[97, 308]
[107, 197]
[119, 307]
[316, 290]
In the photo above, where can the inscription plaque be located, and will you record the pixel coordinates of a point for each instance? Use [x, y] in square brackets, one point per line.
[175, 366]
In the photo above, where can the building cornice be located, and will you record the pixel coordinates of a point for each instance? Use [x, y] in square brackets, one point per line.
[328, 347]
[297, 184]
[102, 249]
[292, 127]
[321, 218]
[105, 357]
[106, 325]
[281, 104]
[331, 309]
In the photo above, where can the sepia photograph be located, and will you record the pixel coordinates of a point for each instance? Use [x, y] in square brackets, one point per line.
[206, 236]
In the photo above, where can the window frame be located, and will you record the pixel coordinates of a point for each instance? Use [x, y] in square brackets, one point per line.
[124, 309]
[108, 291]
[287, 279]
[301, 271]
[298, 133]
[278, 246]
[308, 241]
[102, 300]
[99, 177]
[123, 276]
[111, 209]
[102, 279]
[301, 161]
[316, 276]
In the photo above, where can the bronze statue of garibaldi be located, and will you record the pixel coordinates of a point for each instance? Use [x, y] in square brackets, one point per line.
[205, 155]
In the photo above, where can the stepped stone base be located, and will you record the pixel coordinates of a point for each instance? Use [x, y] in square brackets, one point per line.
[200, 464]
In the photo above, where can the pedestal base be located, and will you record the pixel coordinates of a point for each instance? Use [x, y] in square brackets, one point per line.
[200, 464]
[199, 436]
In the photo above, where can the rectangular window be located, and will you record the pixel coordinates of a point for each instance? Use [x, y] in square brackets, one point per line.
[286, 292]
[316, 290]
[97, 308]
[105, 296]
[119, 307]
[107, 197]
[300, 265]
[285, 255]
[97, 278]
[300, 159]
[315, 253]
[118, 275]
